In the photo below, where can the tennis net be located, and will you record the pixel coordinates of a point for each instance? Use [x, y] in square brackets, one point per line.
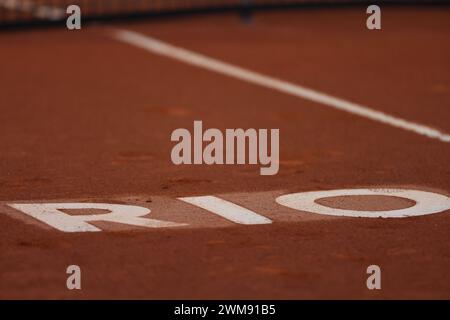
[22, 12]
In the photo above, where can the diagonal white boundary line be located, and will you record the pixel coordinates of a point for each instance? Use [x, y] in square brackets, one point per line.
[164, 49]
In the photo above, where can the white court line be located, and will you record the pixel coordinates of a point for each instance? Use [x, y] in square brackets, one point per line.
[227, 210]
[164, 49]
[38, 10]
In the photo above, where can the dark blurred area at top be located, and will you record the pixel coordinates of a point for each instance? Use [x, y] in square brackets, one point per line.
[27, 13]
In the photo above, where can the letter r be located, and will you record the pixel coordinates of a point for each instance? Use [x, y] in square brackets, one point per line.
[51, 214]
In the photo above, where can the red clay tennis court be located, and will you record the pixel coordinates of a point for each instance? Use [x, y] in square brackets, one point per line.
[87, 117]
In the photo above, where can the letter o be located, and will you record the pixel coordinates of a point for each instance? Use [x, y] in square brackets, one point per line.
[426, 202]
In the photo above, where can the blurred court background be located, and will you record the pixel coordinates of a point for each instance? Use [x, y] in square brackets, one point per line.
[85, 117]
[34, 12]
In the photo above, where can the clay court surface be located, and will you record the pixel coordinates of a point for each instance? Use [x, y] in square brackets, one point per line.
[87, 118]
